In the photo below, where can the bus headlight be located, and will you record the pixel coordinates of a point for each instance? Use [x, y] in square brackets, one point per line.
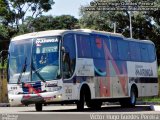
[59, 96]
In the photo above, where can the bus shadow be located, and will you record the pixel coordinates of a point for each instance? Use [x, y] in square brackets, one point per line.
[103, 109]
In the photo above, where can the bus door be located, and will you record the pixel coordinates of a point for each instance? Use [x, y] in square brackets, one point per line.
[68, 65]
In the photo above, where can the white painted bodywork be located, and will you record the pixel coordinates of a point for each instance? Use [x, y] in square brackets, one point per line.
[85, 67]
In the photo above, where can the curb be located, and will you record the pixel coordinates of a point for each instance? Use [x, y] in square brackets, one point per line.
[147, 103]
[155, 107]
[137, 103]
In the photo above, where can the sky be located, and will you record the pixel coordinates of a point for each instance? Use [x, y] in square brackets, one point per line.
[67, 7]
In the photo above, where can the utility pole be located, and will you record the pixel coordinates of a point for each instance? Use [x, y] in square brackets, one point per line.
[130, 21]
[114, 24]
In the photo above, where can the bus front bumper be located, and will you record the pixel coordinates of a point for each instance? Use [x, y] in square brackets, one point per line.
[26, 99]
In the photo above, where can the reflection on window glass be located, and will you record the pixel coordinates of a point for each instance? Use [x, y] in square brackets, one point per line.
[84, 47]
[151, 52]
[123, 50]
[69, 56]
[135, 51]
[97, 46]
[45, 62]
[113, 47]
[20, 56]
[144, 53]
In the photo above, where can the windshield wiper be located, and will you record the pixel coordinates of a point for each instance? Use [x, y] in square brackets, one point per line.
[37, 73]
[22, 71]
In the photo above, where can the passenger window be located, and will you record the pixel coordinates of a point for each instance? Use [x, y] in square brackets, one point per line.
[69, 55]
[135, 51]
[151, 52]
[144, 53]
[97, 47]
[123, 50]
[84, 47]
[106, 46]
[113, 49]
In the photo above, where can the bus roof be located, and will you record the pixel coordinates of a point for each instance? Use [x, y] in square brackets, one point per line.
[82, 31]
[137, 40]
[98, 32]
[61, 32]
[39, 34]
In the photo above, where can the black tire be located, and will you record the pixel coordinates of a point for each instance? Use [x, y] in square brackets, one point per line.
[38, 107]
[129, 102]
[80, 103]
[133, 98]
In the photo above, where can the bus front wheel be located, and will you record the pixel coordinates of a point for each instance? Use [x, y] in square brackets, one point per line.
[38, 106]
[80, 103]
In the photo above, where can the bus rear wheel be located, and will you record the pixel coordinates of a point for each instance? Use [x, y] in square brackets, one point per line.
[131, 101]
[38, 106]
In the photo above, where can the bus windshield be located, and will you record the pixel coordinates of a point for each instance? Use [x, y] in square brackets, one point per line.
[45, 59]
[19, 61]
[34, 60]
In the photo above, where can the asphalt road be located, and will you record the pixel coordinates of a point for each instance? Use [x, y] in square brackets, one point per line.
[111, 112]
[54, 109]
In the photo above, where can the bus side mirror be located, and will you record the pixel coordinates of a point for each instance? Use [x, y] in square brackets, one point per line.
[63, 49]
[3, 55]
[65, 52]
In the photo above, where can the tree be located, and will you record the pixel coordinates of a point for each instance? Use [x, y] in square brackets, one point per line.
[66, 22]
[145, 24]
[43, 23]
[3, 32]
[13, 12]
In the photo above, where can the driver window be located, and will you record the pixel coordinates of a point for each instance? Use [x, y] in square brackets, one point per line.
[69, 56]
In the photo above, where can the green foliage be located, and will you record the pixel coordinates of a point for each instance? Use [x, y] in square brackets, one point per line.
[159, 79]
[3, 32]
[159, 70]
[5, 64]
[145, 24]
[13, 12]
[43, 23]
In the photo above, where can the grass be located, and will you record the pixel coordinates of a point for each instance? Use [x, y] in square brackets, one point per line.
[155, 99]
[159, 79]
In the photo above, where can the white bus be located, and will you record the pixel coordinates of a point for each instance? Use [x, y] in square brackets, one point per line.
[80, 66]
